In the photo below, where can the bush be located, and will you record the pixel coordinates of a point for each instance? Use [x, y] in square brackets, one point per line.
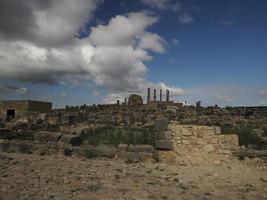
[247, 137]
[227, 129]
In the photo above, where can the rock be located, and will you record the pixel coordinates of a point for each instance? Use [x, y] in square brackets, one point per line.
[186, 132]
[208, 148]
[141, 148]
[161, 124]
[74, 140]
[164, 145]
[45, 136]
[228, 142]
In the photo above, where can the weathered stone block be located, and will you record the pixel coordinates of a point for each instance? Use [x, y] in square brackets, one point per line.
[161, 124]
[228, 142]
[45, 136]
[164, 145]
[186, 132]
[17, 146]
[141, 148]
[208, 148]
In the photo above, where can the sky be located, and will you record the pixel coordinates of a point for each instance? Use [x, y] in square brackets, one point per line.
[99, 51]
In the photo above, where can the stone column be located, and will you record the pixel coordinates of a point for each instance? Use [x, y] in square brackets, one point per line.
[148, 95]
[155, 95]
[167, 95]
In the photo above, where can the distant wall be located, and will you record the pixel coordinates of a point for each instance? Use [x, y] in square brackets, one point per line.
[38, 106]
[25, 106]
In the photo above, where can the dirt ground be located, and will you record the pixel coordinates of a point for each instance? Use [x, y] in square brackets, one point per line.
[58, 177]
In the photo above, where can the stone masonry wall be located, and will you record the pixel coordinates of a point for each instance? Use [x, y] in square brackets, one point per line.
[198, 144]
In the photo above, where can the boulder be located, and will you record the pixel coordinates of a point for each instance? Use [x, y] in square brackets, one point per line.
[45, 136]
[161, 124]
[74, 140]
[164, 145]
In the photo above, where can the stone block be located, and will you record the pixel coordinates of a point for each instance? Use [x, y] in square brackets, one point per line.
[208, 148]
[17, 146]
[186, 142]
[161, 135]
[45, 136]
[228, 142]
[186, 132]
[201, 142]
[161, 124]
[164, 145]
[74, 140]
[141, 148]
[5, 134]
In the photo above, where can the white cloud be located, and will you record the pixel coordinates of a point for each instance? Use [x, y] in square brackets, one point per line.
[185, 18]
[112, 57]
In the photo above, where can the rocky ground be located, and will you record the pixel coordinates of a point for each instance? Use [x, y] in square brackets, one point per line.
[59, 177]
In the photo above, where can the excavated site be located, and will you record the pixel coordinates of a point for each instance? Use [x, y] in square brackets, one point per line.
[132, 150]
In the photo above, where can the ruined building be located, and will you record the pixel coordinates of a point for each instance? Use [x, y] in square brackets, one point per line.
[9, 109]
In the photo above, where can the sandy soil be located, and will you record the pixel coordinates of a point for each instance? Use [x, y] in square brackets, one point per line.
[58, 177]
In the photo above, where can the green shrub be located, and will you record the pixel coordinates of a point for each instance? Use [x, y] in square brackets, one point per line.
[227, 129]
[247, 137]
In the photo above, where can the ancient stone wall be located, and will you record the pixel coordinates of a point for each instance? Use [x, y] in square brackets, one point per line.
[198, 144]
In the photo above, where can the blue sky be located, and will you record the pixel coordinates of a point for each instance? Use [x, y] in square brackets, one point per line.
[214, 51]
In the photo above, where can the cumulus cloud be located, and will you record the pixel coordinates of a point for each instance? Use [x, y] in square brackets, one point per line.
[112, 57]
[115, 62]
[47, 23]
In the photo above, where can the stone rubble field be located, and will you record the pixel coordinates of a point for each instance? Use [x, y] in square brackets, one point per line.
[30, 176]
